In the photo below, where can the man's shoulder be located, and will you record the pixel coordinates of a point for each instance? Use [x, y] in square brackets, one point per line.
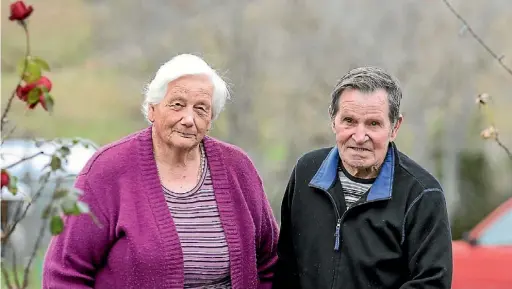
[312, 160]
[418, 174]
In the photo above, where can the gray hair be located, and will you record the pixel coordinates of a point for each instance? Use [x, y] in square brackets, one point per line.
[178, 66]
[369, 79]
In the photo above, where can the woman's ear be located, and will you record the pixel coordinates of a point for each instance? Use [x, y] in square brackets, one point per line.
[151, 113]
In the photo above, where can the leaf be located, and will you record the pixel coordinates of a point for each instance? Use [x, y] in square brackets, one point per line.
[64, 151]
[56, 225]
[55, 163]
[70, 207]
[83, 207]
[60, 193]
[41, 62]
[20, 66]
[76, 191]
[47, 211]
[33, 96]
[33, 72]
[49, 102]
[13, 185]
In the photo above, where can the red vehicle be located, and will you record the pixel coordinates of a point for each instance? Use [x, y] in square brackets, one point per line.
[483, 259]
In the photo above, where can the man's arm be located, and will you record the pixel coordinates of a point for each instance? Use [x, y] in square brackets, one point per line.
[286, 275]
[426, 239]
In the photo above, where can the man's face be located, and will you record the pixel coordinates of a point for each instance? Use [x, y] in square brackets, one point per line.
[184, 116]
[363, 129]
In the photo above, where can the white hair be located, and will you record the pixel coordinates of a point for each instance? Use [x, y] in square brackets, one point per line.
[178, 66]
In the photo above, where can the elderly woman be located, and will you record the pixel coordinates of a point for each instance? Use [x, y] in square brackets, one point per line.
[178, 209]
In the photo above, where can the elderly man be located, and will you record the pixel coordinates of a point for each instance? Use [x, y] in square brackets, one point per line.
[362, 214]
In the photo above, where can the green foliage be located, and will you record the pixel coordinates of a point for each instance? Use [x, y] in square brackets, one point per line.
[56, 225]
[476, 202]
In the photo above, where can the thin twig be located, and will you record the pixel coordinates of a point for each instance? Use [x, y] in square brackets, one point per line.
[34, 251]
[507, 150]
[8, 134]
[17, 220]
[478, 38]
[24, 159]
[27, 54]
[14, 271]
[6, 278]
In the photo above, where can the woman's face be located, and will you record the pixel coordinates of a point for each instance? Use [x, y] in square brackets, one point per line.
[184, 116]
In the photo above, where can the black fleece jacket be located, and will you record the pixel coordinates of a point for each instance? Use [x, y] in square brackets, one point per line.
[397, 236]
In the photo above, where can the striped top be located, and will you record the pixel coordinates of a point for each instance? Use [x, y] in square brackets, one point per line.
[202, 238]
[353, 188]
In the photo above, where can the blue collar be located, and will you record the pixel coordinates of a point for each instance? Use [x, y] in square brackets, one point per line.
[381, 188]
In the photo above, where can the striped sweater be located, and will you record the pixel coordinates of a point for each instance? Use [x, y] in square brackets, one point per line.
[202, 238]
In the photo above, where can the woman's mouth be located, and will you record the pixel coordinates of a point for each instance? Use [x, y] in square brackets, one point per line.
[186, 135]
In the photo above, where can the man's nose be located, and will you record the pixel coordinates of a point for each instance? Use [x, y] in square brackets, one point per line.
[359, 135]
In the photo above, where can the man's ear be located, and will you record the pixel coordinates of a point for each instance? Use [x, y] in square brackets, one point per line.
[333, 128]
[396, 127]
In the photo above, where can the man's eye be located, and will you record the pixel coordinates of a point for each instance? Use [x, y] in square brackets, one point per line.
[374, 123]
[349, 120]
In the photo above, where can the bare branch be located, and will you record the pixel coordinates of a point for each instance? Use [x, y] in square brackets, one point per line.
[24, 159]
[34, 251]
[17, 220]
[6, 278]
[507, 150]
[16, 278]
[478, 38]
[8, 134]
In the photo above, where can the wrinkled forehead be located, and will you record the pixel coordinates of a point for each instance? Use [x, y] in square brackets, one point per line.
[354, 99]
[191, 85]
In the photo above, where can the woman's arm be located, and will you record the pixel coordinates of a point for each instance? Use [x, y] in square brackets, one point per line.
[75, 255]
[267, 250]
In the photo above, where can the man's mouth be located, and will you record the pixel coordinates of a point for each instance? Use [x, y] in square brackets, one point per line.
[359, 149]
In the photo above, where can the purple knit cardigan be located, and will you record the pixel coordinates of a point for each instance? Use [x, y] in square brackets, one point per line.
[137, 245]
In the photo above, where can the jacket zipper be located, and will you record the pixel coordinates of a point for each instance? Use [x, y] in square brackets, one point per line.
[337, 233]
[338, 219]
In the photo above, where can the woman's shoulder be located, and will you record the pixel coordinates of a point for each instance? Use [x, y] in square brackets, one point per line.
[117, 155]
[230, 153]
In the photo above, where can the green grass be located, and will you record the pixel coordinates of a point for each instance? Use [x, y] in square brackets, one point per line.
[34, 273]
[90, 103]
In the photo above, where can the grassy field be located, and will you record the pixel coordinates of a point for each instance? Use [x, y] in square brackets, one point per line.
[91, 101]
